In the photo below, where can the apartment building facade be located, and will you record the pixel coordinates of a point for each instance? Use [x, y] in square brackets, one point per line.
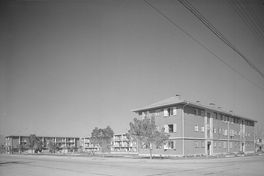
[63, 143]
[196, 129]
[87, 145]
[121, 143]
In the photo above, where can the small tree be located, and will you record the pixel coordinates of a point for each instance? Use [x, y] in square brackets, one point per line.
[51, 146]
[34, 143]
[102, 138]
[20, 147]
[3, 148]
[145, 132]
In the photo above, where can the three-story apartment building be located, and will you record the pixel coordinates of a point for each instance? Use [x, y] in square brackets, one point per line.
[196, 129]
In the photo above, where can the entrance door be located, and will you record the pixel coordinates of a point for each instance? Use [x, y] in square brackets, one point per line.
[208, 148]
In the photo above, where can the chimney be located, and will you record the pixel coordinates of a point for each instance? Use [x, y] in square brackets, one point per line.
[179, 96]
[198, 102]
[212, 105]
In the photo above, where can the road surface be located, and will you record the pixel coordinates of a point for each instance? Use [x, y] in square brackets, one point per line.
[39, 165]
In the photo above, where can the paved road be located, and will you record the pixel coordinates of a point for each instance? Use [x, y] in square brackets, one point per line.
[11, 165]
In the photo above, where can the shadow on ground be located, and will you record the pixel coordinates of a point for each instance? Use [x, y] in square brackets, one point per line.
[12, 162]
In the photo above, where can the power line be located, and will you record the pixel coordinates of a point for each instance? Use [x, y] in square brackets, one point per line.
[254, 15]
[258, 32]
[217, 33]
[242, 16]
[199, 43]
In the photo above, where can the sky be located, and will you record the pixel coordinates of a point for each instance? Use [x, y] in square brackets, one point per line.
[67, 67]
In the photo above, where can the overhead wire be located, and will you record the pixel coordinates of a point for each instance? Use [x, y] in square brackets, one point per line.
[200, 42]
[254, 15]
[251, 13]
[246, 21]
[250, 20]
[217, 33]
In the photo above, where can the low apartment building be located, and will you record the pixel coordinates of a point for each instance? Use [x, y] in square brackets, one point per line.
[121, 143]
[87, 145]
[63, 143]
[197, 129]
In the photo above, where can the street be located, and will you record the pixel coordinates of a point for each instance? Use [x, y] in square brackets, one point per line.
[39, 165]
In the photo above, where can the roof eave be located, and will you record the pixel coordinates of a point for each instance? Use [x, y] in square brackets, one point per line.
[192, 104]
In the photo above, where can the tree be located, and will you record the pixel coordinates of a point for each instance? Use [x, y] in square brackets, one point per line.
[145, 132]
[102, 138]
[2, 149]
[20, 147]
[34, 143]
[51, 146]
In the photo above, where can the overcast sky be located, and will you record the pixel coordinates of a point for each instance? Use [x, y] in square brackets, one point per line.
[67, 67]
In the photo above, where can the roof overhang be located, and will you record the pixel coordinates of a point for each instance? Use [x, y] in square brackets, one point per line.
[197, 105]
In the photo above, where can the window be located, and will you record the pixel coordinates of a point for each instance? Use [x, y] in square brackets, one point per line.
[202, 144]
[221, 117]
[196, 128]
[231, 132]
[196, 112]
[170, 111]
[219, 144]
[173, 111]
[202, 129]
[171, 145]
[214, 144]
[214, 130]
[171, 128]
[219, 130]
[202, 113]
[215, 115]
[225, 132]
[235, 132]
[224, 144]
[157, 112]
[196, 145]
